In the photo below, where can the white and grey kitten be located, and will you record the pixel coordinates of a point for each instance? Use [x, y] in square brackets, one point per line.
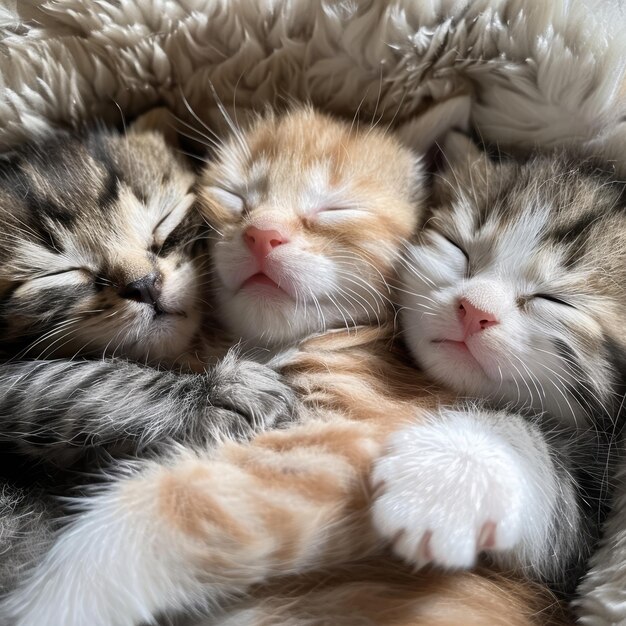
[513, 295]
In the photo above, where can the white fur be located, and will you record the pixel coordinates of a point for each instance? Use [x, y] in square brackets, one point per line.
[548, 76]
[321, 286]
[551, 75]
[445, 486]
[119, 532]
[308, 282]
[514, 361]
[133, 553]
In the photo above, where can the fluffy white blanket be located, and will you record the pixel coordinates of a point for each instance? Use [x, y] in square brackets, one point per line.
[540, 72]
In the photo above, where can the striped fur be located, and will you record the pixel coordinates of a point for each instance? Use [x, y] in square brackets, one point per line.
[201, 526]
[83, 218]
[57, 410]
[541, 246]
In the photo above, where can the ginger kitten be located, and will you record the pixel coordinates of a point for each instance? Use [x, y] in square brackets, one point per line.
[310, 214]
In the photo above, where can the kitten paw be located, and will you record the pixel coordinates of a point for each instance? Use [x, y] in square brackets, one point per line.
[252, 390]
[447, 491]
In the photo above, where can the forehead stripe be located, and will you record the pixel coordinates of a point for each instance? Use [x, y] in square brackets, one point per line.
[41, 206]
[110, 190]
[570, 232]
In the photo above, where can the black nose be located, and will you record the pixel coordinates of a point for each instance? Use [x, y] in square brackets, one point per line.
[147, 289]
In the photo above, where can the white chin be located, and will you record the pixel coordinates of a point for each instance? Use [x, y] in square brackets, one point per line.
[462, 375]
[267, 317]
[456, 370]
[167, 338]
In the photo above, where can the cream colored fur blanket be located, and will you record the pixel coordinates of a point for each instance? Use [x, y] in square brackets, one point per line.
[540, 72]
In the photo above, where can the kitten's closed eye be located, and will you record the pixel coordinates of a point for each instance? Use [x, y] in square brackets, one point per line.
[228, 199]
[334, 209]
[458, 246]
[549, 298]
[168, 233]
[63, 271]
[451, 241]
[308, 213]
[544, 290]
[172, 242]
[338, 214]
[77, 275]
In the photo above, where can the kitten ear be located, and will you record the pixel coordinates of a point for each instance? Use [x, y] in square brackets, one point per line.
[459, 152]
[160, 120]
[463, 165]
[424, 131]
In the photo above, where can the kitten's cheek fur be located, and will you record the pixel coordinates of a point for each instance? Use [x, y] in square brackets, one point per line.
[455, 487]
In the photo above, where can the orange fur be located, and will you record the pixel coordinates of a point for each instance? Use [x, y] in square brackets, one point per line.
[209, 524]
[298, 499]
[384, 593]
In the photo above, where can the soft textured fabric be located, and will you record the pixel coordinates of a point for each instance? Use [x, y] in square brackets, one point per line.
[542, 73]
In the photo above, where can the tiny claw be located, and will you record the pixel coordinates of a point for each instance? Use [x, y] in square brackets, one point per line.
[378, 487]
[424, 553]
[487, 537]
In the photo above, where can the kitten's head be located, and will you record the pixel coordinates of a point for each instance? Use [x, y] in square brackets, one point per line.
[516, 287]
[311, 214]
[94, 248]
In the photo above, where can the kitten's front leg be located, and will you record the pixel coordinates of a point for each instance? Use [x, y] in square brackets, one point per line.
[252, 390]
[475, 480]
[57, 410]
[191, 530]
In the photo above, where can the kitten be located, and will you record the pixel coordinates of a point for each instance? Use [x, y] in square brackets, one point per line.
[513, 294]
[99, 257]
[311, 216]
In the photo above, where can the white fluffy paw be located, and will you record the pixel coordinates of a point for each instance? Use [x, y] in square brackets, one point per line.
[447, 490]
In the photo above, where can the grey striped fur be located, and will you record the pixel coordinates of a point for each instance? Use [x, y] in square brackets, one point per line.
[540, 248]
[55, 410]
[92, 368]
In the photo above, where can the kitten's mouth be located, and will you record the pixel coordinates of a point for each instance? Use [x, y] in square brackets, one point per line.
[161, 311]
[261, 280]
[459, 344]
[460, 347]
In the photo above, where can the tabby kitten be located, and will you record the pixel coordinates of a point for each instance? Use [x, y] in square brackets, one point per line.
[311, 216]
[99, 257]
[513, 294]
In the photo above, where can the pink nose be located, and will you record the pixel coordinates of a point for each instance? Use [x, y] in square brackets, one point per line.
[262, 242]
[473, 319]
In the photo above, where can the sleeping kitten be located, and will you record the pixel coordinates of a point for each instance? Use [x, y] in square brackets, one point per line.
[311, 216]
[99, 257]
[514, 295]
